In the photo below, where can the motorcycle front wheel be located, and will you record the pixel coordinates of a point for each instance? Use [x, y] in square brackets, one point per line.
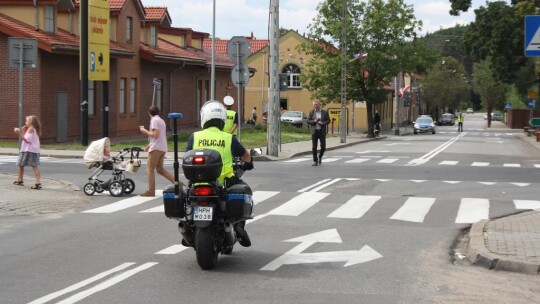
[205, 248]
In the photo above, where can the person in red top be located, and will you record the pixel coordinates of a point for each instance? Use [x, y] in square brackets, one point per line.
[30, 149]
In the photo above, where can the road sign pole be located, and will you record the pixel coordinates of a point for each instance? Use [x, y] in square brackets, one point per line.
[84, 72]
[21, 82]
[238, 92]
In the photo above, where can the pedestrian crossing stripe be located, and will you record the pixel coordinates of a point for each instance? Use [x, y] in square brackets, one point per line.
[414, 209]
[361, 160]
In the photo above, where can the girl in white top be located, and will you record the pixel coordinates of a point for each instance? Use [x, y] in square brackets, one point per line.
[30, 149]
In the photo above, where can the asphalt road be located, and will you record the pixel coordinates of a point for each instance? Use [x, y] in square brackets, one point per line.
[376, 223]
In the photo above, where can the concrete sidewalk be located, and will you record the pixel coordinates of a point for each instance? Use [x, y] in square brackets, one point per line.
[509, 243]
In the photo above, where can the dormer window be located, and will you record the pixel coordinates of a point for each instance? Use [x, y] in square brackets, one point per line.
[129, 33]
[50, 22]
[153, 36]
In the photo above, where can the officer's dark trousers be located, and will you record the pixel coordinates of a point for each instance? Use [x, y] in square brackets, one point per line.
[319, 135]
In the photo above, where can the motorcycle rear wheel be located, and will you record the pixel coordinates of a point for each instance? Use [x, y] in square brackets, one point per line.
[205, 248]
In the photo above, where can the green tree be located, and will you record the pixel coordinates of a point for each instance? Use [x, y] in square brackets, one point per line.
[384, 30]
[492, 91]
[445, 86]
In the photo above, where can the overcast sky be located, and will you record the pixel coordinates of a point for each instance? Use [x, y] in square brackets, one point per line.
[241, 17]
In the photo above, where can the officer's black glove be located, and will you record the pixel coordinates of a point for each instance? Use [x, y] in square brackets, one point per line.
[248, 166]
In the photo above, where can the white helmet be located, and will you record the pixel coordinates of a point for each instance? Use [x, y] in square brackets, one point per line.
[213, 109]
[228, 101]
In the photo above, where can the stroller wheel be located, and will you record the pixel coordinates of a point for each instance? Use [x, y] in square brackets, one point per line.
[89, 189]
[129, 185]
[99, 188]
[116, 188]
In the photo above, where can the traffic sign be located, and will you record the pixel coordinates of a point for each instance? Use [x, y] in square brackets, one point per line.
[532, 36]
[238, 48]
[532, 103]
[98, 40]
[508, 106]
[29, 52]
[240, 75]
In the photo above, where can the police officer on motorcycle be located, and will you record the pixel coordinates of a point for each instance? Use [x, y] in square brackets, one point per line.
[213, 117]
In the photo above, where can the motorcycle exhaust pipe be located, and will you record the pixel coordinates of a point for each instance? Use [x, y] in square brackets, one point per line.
[187, 235]
[230, 238]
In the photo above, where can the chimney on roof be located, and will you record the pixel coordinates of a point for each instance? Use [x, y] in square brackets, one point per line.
[252, 38]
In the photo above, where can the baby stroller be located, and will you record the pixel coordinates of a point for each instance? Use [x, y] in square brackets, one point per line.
[97, 156]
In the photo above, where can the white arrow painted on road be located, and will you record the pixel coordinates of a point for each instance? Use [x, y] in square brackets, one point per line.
[295, 255]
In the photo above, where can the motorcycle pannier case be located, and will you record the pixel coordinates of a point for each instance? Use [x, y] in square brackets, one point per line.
[174, 208]
[239, 201]
[202, 165]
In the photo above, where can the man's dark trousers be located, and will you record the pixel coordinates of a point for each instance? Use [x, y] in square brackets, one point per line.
[319, 135]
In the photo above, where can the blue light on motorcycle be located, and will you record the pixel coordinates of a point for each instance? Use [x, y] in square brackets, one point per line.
[199, 160]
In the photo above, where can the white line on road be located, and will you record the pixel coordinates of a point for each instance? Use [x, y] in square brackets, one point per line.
[299, 204]
[123, 204]
[448, 163]
[315, 185]
[261, 196]
[387, 160]
[81, 284]
[110, 282]
[356, 207]
[415, 209]
[425, 158]
[472, 210]
[512, 165]
[174, 249]
[527, 204]
[479, 164]
[357, 160]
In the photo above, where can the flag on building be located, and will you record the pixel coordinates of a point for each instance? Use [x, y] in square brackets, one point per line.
[403, 90]
[358, 56]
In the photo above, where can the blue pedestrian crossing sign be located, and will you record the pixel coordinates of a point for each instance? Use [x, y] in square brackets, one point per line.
[532, 36]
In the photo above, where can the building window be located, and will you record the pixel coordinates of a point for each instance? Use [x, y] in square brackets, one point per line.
[122, 96]
[153, 36]
[50, 24]
[91, 98]
[129, 26]
[112, 33]
[159, 95]
[132, 91]
[183, 40]
[293, 75]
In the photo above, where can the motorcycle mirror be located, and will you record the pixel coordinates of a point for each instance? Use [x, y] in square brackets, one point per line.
[256, 151]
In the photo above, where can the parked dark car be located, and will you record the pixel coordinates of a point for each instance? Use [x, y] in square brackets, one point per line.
[447, 119]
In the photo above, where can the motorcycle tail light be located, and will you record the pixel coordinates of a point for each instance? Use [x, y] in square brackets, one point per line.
[199, 160]
[203, 191]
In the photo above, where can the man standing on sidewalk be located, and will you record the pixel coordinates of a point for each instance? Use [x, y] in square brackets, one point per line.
[318, 119]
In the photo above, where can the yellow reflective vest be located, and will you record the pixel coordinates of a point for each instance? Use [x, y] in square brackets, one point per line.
[214, 139]
[460, 118]
[229, 122]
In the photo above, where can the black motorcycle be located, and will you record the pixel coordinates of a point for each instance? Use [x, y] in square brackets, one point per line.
[211, 215]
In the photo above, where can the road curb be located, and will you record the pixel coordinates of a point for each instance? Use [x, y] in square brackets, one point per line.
[479, 255]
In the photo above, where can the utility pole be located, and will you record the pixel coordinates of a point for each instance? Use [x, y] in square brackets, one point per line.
[213, 66]
[273, 103]
[343, 118]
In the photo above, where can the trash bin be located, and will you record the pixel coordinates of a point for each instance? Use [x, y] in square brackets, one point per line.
[538, 136]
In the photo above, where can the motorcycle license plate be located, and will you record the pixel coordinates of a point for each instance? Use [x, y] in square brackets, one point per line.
[203, 213]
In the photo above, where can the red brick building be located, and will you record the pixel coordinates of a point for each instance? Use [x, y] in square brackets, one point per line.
[143, 47]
